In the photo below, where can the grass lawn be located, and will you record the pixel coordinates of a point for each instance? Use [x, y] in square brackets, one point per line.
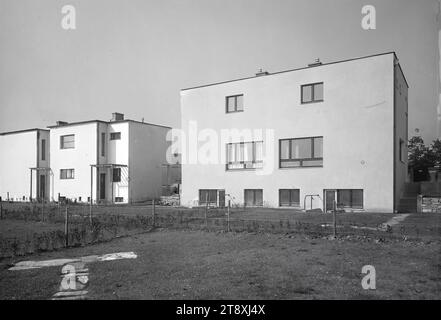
[20, 229]
[208, 265]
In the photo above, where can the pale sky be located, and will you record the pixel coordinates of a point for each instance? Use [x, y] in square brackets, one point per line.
[133, 56]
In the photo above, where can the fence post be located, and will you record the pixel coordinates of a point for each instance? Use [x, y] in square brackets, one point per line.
[66, 227]
[154, 212]
[334, 218]
[1, 209]
[228, 216]
[420, 203]
[206, 210]
[42, 212]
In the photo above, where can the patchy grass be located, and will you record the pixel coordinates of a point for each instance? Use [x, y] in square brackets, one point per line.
[208, 265]
[21, 229]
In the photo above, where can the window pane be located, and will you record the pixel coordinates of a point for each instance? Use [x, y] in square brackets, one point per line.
[230, 153]
[357, 198]
[240, 152]
[301, 149]
[344, 198]
[239, 103]
[295, 197]
[290, 164]
[231, 104]
[312, 163]
[259, 151]
[318, 92]
[284, 149]
[284, 198]
[248, 152]
[306, 93]
[249, 197]
[318, 147]
[258, 197]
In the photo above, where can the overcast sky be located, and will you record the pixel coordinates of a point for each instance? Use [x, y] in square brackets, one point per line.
[134, 56]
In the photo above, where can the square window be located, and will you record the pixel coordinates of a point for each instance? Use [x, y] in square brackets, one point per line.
[115, 136]
[67, 142]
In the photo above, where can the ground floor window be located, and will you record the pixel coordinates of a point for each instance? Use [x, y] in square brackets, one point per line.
[119, 199]
[208, 196]
[67, 174]
[350, 198]
[289, 197]
[253, 197]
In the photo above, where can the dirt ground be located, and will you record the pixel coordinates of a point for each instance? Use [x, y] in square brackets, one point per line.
[212, 265]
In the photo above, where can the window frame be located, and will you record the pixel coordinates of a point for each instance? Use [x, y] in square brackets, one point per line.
[118, 175]
[103, 144]
[43, 149]
[62, 143]
[254, 198]
[117, 134]
[72, 174]
[351, 199]
[291, 202]
[254, 162]
[401, 148]
[300, 160]
[312, 85]
[202, 202]
[235, 96]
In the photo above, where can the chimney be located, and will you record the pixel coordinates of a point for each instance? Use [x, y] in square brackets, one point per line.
[61, 123]
[316, 63]
[262, 73]
[117, 116]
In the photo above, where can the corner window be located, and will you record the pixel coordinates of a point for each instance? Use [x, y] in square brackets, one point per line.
[253, 197]
[234, 103]
[67, 174]
[115, 136]
[245, 155]
[67, 142]
[312, 92]
[301, 152]
[289, 197]
[116, 175]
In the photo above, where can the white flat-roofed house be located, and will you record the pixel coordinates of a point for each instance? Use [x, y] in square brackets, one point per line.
[24, 165]
[118, 161]
[334, 132]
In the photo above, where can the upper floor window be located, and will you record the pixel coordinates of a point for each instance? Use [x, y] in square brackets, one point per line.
[115, 136]
[234, 103]
[402, 150]
[312, 92]
[301, 152]
[245, 155]
[43, 149]
[67, 174]
[67, 142]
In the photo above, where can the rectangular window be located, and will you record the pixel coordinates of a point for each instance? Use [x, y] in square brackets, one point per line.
[115, 136]
[234, 103]
[119, 199]
[67, 142]
[43, 150]
[289, 197]
[103, 144]
[245, 155]
[253, 197]
[301, 152]
[116, 175]
[208, 196]
[312, 92]
[402, 149]
[350, 198]
[67, 174]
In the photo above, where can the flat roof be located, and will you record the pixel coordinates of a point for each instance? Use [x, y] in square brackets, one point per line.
[106, 122]
[302, 68]
[22, 131]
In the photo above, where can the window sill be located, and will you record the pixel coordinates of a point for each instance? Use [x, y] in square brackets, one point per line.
[289, 168]
[315, 101]
[239, 111]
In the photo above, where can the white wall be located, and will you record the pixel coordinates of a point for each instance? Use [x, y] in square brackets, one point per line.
[147, 152]
[80, 158]
[18, 154]
[355, 119]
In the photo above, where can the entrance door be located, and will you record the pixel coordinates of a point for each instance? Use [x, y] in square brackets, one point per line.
[330, 197]
[102, 186]
[42, 187]
[222, 198]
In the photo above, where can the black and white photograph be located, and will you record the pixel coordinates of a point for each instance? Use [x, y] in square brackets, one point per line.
[220, 155]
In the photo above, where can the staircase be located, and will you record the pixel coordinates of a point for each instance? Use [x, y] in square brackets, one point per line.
[408, 201]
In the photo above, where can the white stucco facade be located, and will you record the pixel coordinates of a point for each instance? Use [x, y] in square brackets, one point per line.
[23, 152]
[362, 118]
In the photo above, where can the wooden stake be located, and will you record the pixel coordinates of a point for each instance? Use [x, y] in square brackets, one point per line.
[66, 227]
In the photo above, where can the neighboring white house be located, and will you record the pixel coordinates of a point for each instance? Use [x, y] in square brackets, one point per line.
[118, 161]
[328, 132]
[24, 165]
